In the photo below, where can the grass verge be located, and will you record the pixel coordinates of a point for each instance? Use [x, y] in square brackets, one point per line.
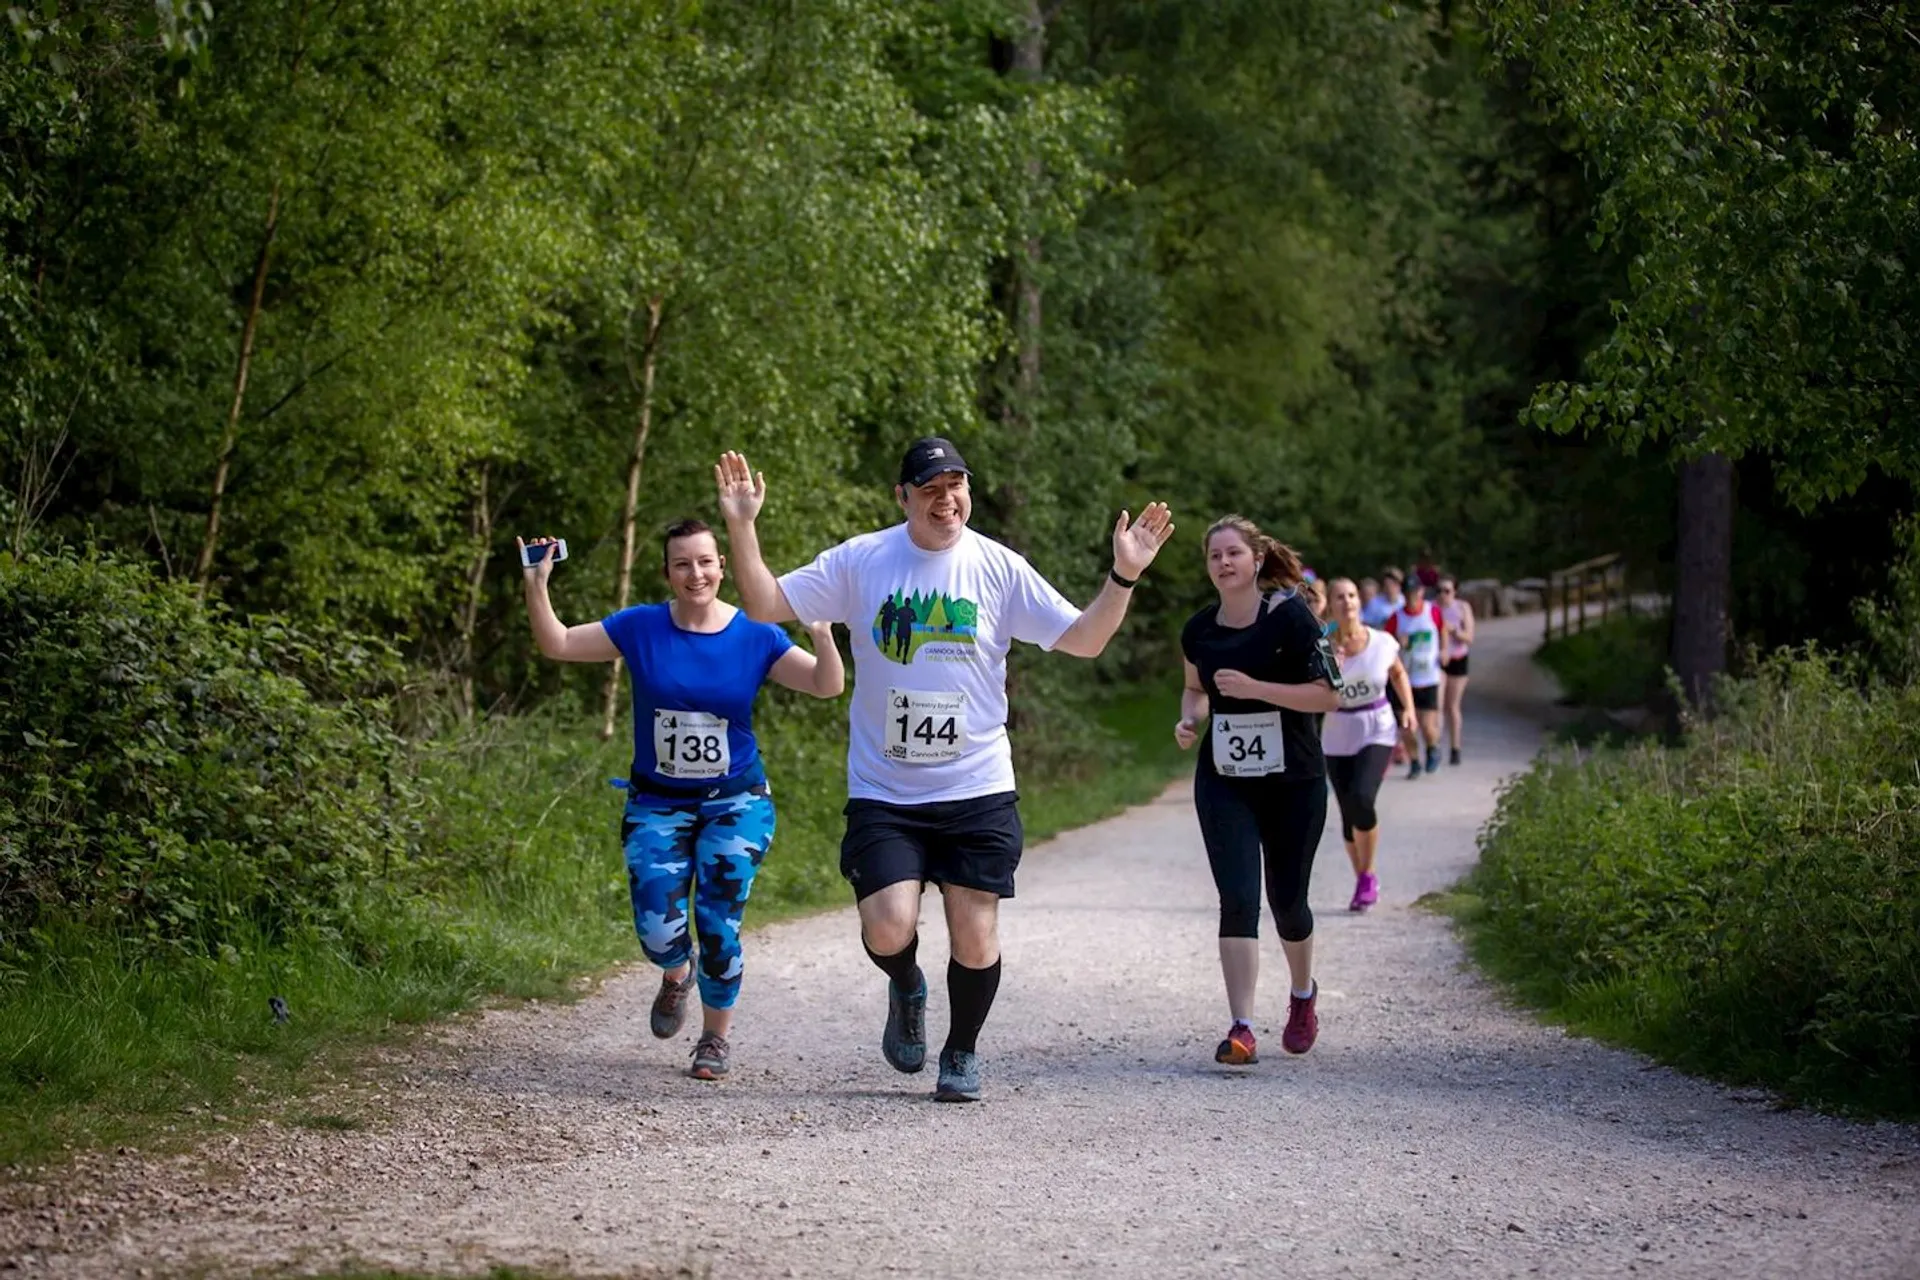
[1745, 905]
[1618, 664]
[104, 1042]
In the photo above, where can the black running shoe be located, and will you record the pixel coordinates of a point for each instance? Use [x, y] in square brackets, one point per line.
[1453, 757]
[959, 1077]
[1414, 770]
[904, 1042]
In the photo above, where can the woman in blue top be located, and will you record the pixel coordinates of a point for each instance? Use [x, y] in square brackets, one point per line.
[699, 813]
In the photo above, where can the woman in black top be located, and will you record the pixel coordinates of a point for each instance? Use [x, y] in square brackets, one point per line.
[1262, 667]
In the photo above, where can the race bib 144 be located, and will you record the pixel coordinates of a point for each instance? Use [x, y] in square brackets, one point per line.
[923, 727]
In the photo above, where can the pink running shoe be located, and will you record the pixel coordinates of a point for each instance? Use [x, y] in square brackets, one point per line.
[1367, 892]
[1303, 1025]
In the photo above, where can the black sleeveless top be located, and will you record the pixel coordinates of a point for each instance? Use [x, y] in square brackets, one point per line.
[1283, 645]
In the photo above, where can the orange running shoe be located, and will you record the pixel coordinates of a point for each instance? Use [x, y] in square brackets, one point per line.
[1237, 1050]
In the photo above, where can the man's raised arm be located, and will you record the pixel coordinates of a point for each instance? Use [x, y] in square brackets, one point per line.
[1135, 544]
[742, 494]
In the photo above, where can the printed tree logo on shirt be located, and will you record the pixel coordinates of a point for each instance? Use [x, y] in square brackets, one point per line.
[906, 622]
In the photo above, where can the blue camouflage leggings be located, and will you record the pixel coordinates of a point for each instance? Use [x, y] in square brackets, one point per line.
[714, 847]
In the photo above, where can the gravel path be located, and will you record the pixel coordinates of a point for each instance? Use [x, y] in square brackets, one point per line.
[1432, 1132]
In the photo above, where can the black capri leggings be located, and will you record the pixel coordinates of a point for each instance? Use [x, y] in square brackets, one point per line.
[1241, 819]
[1356, 784]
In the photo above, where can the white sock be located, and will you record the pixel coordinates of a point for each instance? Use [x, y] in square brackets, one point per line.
[1242, 1022]
[1307, 994]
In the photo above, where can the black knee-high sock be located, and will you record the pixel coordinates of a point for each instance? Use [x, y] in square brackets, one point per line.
[901, 965]
[970, 993]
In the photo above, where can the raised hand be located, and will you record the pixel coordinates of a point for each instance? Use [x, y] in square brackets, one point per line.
[1136, 543]
[743, 491]
[541, 569]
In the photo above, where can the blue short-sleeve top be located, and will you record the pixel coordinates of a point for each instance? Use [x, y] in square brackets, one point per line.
[719, 673]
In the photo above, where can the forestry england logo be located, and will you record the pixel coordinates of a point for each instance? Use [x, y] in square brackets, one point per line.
[909, 622]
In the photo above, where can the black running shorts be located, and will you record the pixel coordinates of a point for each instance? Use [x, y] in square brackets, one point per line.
[975, 844]
[1455, 666]
[1427, 699]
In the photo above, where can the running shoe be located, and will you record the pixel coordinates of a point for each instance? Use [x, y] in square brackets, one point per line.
[1366, 892]
[670, 1005]
[1238, 1049]
[904, 1042]
[1433, 759]
[710, 1057]
[1453, 757]
[959, 1077]
[1303, 1024]
[1413, 770]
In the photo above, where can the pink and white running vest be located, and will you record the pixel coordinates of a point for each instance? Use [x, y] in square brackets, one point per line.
[1364, 718]
[1453, 615]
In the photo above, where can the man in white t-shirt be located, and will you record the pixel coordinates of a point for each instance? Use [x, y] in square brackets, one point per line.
[932, 608]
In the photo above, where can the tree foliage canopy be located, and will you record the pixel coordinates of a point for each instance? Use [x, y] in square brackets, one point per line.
[324, 303]
[1761, 174]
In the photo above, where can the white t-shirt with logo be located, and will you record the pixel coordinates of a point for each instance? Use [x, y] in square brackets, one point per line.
[1363, 680]
[931, 630]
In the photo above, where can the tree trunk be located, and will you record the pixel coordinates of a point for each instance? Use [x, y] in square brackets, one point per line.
[1029, 65]
[203, 567]
[1703, 576]
[480, 531]
[629, 515]
[1023, 400]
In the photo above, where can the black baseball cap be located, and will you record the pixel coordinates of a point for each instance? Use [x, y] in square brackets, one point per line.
[927, 457]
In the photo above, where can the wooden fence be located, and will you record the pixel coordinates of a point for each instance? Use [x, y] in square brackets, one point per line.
[1572, 589]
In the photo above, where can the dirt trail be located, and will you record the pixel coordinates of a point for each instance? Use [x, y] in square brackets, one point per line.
[1433, 1131]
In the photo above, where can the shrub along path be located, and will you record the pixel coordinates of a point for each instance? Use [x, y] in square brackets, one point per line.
[1433, 1131]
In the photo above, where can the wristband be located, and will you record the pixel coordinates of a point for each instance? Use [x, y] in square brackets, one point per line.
[1119, 581]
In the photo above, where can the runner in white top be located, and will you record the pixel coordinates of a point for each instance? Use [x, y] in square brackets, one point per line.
[1456, 617]
[1418, 628]
[1358, 738]
[933, 608]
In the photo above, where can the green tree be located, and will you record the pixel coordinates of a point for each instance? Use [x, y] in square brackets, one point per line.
[1760, 173]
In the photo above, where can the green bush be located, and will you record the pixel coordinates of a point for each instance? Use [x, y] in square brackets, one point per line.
[171, 774]
[1619, 663]
[1746, 904]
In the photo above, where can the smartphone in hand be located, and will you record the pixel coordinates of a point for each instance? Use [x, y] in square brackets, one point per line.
[532, 553]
